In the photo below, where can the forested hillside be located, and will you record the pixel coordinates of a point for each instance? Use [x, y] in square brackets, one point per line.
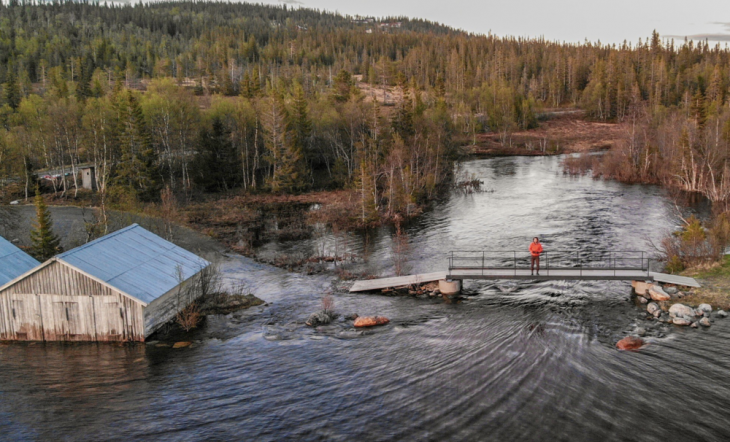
[209, 97]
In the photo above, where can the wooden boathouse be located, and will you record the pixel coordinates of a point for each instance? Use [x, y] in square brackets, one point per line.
[13, 261]
[121, 287]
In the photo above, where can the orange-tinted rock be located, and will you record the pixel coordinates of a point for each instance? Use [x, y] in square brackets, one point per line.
[657, 294]
[630, 343]
[369, 321]
[182, 344]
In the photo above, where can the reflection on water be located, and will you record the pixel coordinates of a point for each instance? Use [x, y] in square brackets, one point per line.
[515, 361]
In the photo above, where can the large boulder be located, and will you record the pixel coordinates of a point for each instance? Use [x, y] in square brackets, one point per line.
[657, 294]
[369, 321]
[630, 343]
[681, 310]
[640, 287]
[652, 308]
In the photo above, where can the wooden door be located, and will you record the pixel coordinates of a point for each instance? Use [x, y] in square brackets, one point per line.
[110, 319]
[68, 318]
[24, 318]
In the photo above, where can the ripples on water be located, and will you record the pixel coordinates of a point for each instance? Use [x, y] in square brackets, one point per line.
[515, 361]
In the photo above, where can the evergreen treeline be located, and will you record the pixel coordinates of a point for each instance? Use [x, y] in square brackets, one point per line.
[215, 96]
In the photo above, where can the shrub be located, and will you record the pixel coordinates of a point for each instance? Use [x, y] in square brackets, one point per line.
[189, 317]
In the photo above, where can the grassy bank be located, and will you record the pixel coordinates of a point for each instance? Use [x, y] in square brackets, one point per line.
[715, 283]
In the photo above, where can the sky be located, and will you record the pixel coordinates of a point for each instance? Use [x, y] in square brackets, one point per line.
[562, 20]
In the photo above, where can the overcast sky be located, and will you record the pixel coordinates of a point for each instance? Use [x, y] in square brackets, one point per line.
[564, 20]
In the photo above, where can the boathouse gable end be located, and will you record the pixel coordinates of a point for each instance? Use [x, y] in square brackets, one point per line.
[56, 302]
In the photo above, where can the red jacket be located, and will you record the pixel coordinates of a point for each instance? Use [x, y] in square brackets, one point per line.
[535, 248]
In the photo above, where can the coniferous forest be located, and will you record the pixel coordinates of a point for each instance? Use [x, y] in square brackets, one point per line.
[205, 97]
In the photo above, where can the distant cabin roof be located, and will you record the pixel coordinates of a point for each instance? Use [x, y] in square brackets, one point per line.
[136, 261]
[13, 262]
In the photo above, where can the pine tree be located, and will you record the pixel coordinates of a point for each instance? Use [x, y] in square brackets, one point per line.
[342, 86]
[255, 88]
[245, 86]
[299, 123]
[287, 159]
[403, 118]
[12, 90]
[217, 160]
[698, 109]
[137, 170]
[46, 244]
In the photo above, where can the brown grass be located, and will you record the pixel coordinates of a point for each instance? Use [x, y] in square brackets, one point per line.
[566, 133]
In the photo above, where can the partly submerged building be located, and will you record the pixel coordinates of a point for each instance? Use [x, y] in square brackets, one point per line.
[121, 287]
[13, 261]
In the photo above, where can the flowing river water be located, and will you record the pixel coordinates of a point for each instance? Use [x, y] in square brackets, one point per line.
[511, 361]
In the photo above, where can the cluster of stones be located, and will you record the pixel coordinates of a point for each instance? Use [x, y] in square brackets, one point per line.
[659, 305]
[657, 300]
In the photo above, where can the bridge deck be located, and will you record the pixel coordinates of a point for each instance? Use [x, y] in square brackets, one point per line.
[566, 274]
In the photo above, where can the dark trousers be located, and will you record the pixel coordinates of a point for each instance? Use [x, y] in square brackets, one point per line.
[535, 261]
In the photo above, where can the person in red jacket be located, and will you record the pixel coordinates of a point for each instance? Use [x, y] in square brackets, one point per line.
[535, 251]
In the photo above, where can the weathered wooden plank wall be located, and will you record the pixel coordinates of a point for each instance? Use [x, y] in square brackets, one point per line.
[58, 303]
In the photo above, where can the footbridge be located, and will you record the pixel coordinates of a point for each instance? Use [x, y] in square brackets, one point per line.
[554, 265]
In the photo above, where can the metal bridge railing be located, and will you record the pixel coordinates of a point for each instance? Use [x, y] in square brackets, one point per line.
[551, 260]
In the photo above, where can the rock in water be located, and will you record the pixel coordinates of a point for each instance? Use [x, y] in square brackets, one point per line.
[182, 344]
[630, 343]
[694, 325]
[721, 314]
[652, 307]
[681, 310]
[320, 318]
[657, 294]
[705, 308]
[681, 321]
[642, 299]
[369, 321]
[705, 322]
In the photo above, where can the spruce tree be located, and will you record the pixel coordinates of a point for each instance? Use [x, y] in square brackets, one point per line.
[12, 90]
[137, 169]
[217, 161]
[46, 244]
[299, 123]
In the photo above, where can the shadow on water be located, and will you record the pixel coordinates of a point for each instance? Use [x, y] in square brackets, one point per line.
[527, 361]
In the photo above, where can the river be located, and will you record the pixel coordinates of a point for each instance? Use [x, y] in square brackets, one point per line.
[511, 361]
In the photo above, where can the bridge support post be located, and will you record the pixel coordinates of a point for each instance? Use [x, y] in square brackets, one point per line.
[450, 287]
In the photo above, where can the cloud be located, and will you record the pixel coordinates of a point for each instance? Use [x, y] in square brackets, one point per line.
[724, 24]
[710, 37]
[291, 2]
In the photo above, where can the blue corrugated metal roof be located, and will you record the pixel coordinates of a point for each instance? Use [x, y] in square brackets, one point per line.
[136, 261]
[13, 261]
